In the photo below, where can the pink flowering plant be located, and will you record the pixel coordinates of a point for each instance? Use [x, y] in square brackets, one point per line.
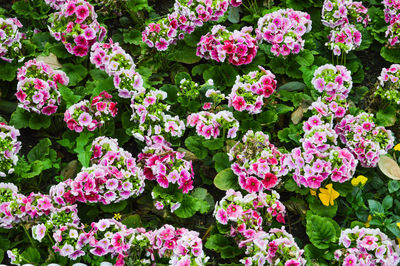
[391, 15]
[249, 214]
[258, 164]
[10, 147]
[10, 39]
[250, 91]
[366, 246]
[364, 138]
[344, 40]
[284, 30]
[275, 247]
[76, 26]
[336, 13]
[388, 85]
[238, 47]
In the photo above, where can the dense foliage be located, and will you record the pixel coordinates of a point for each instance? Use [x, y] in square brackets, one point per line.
[200, 132]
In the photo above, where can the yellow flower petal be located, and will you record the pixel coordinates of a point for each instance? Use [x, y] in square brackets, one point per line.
[313, 192]
[117, 216]
[397, 147]
[359, 180]
[328, 195]
[398, 225]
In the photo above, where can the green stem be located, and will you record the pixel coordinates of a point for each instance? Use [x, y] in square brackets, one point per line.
[29, 236]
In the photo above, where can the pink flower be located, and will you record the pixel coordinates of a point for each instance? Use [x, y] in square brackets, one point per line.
[222, 216]
[314, 181]
[269, 181]
[252, 185]
[234, 211]
[80, 50]
[239, 103]
[162, 45]
[82, 12]
[38, 232]
[85, 119]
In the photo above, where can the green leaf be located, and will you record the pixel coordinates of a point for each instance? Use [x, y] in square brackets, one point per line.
[189, 206]
[36, 168]
[171, 91]
[394, 229]
[199, 69]
[181, 75]
[226, 179]
[321, 231]
[37, 121]
[391, 54]
[387, 116]
[292, 86]
[40, 151]
[223, 245]
[213, 144]
[20, 118]
[318, 208]
[76, 73]
[68, 95]
[283, 108]
[184, 54]
[387, 202]
[114, 207]
[8, 71]
[375, 206]
[31, 254]
[233, 14]
[221, 160]
[194, 144]
[133, 37]
[268, 117]
[393, 186]
[132, 221]
[314, 255]
[41, 38]
[306, 58]
[84, 154]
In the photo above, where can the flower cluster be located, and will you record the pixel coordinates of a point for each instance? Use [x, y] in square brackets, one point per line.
[98, 183]
[389, 84]
[37, 88]
[10, 38]
[364, 139]
[332, 80]
[181, 246]
[55, 4]
[187, 15]
[90, 115]
[257, 162]
[336, 13]
[319, 159]
[277, 247]
[365, 246]
[128, 83]
[111, 58]
[344, 39]
[210, 125]
[392, 16]
[240, 47]
[248, 214]
[284, 29]
[149, 112]
[250, 90]
[9, 147]
[332, 106]
[76, 26]
[166, 166]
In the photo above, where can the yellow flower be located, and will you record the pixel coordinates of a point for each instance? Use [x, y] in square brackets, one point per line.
[398, 241]
[398, 225]
[359, 180]
[397, 147]
[117, 216]
[313, 192]
[369, 220]
[328, 195]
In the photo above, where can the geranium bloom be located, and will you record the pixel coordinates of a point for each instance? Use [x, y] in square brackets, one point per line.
[9, 148]
[10, 39]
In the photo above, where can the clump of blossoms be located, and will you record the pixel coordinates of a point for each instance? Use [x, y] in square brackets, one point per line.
[250, 90]
[90, 115]
[336, 13]
[10, 38]
[55, 4]
[128, 84]
[248, 214]
[111, 58]
[389, 84]
[277, 247]
[210, 125]
[366, 246]
[311, 167]
[76, 26]
[332, 80]
[258, 163]
[107, 153]
[37, 88]
[98, 183]
[8, 206]
[240, 47]
[392, 11]
[166, 166]
[71, 241]
[344, 39]
[149, 112]
[187, 15]
[334, 106]
[284, 29]
[179, 245]
[364, 139]
[9, 147]
[318, 135]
